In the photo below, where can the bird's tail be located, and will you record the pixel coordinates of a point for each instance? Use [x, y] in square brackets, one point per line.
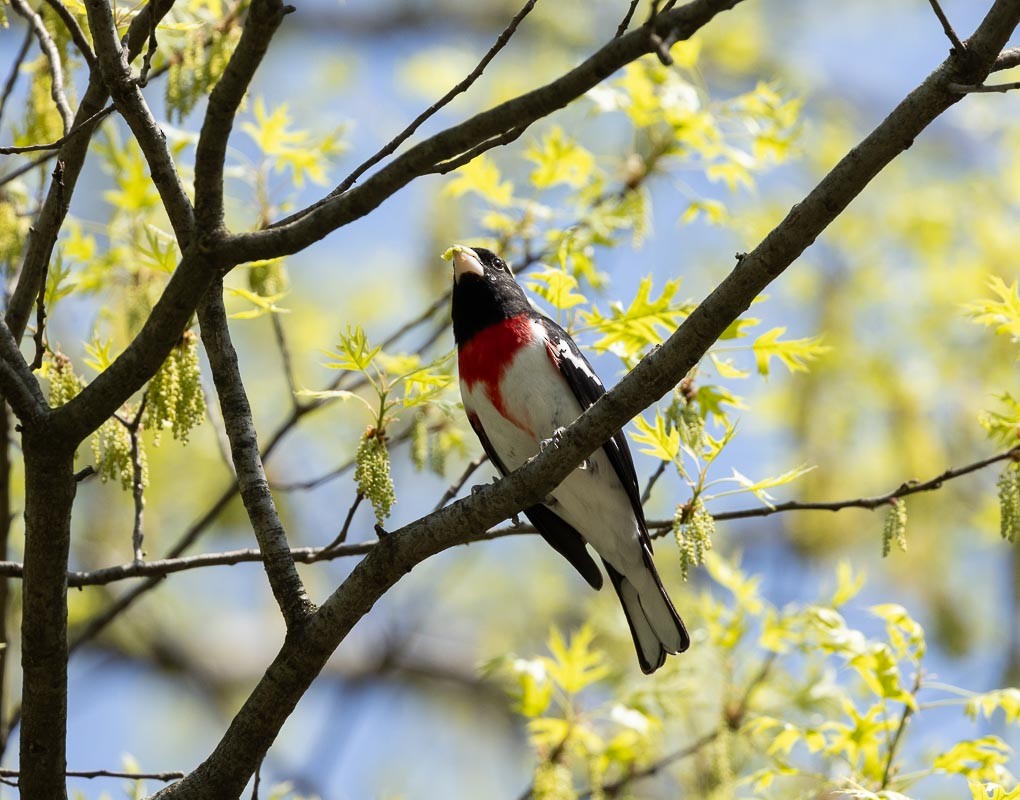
[654, 624]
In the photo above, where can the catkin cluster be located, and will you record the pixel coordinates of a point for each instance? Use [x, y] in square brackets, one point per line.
[693, 528]
[895, 527]
[175, 398]
[372, 474]
[64, 384]
[553, 782]
[692, 427]
[1009, 502]
[111, 451]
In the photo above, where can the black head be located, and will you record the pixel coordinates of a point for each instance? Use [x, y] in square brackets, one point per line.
[484, 292]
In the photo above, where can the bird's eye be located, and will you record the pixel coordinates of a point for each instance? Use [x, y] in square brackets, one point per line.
[496, 263]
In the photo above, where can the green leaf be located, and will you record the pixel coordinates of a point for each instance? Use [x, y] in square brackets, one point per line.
[575, 665]
[355, 353]
[976, 759]
[661, 442]
[627, 332]
[986, 704]
[848, 585]
[263, 305]
[482, 177]
[557, 287]
[793, 353]
[1002, 313]
[559, 159]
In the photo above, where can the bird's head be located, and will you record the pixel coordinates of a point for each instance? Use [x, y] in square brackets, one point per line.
[484, 291]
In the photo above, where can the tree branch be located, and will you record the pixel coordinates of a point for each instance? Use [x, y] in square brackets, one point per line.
[17, 383]
[264, 17]
[946, 26]
[49, 49]
[313, 223]
[251, 477]
[305, 652]
[460, 88]
[12, 76]
[127, 96]
[86, 126]
[105, 773]
[77, 34]
[43, 233]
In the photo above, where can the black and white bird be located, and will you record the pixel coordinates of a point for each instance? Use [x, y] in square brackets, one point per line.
[522, 379]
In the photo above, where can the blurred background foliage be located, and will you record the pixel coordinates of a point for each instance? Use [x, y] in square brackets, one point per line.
[886, 354]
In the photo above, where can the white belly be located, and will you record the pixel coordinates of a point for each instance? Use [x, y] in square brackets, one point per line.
[536, 401]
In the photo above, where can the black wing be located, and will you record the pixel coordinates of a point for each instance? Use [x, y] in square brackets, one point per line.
[587, 388]
[563, 538]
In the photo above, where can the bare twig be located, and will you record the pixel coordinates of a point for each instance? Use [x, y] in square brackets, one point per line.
[443, 167]
[49, 48]
[458, 484]
[73, 28]
[460, 88]
[105, 773]
[137, 480]
[652, 480]
[946, 26]
[962, 88]
[284, 350]
[342, 536]
[56, 145]
[12, 77]
[905, 715]
[625, 22]
[113, 60]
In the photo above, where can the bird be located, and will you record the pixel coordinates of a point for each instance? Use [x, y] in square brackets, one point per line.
[522, 381]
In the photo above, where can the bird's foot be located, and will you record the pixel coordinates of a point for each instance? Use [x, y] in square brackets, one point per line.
[555, 440]
[552, 441]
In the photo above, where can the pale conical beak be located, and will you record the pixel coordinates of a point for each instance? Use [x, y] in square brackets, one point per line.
[464, 260]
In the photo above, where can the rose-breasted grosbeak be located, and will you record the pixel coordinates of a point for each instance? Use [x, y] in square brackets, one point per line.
[522, 379]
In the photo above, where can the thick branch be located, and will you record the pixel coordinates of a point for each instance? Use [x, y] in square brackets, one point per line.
[116, 70]
[304, 654]
[73, 28]
[315, 222]
[244, 447]
[17, 383]
[264, 17]
[49, 494]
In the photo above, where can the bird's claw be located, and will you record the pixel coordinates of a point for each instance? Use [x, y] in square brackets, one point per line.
[479, 486]
[515, 521]
[552, 441]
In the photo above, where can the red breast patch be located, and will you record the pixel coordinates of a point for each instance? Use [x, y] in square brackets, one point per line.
[490, 352]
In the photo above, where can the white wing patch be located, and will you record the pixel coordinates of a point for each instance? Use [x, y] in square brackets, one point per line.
[536, 401]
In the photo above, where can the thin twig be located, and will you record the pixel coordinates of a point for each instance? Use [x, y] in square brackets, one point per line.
[659, 470]
[77, 35]
[13, 175]
[458, 484]
[12, 78]
[895, 743]
[342, 536]
[255, 785]
[284, 348]
[625, 22]
[105, 773]
[958, 46]
[963, 88]
[56, 145]
[460, 88]
[137, 480]
[49, 48]
[443, 167]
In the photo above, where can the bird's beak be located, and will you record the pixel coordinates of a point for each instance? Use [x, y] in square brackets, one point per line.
[464, 260]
